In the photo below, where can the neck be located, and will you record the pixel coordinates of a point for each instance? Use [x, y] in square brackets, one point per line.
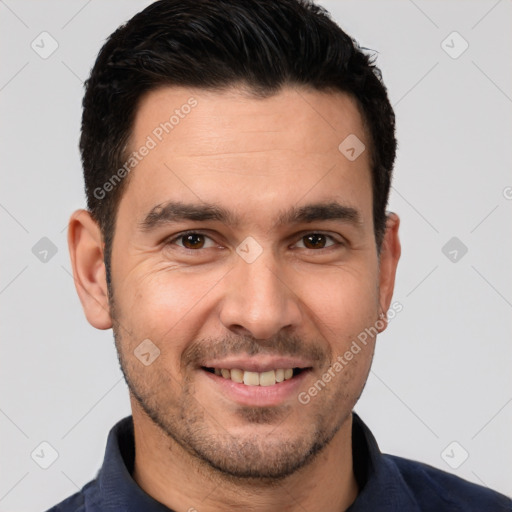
[180, 481]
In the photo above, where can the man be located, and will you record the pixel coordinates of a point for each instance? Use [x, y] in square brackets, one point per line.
[237, 160]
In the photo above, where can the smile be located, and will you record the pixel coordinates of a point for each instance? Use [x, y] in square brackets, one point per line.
[252, 378]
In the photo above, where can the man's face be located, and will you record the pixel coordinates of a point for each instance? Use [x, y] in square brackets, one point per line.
[260, 291]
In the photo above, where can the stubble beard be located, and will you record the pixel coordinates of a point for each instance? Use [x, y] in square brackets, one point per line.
[238, 458]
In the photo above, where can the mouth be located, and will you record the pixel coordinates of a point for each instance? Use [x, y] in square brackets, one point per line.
[264, 380]
[254, 378]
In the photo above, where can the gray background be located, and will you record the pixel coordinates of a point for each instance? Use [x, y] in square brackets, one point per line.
[442, 372]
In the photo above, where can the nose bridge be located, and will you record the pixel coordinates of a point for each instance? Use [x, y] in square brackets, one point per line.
[257, 300]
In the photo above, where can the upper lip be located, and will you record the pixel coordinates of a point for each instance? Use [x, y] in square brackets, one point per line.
[257, 364]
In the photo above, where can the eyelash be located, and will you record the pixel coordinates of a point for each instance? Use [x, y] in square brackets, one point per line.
[193, 232]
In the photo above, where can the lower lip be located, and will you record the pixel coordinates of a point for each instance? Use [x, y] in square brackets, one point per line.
[258, 395]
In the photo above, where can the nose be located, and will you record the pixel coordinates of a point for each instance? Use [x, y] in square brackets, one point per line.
[258, 300]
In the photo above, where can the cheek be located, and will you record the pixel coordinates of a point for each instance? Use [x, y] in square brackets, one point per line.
[164, 303]
[344, 299]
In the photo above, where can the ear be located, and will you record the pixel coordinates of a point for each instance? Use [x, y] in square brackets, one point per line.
[85, 244]
[389, 256]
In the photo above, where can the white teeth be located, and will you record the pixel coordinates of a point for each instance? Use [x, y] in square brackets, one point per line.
[251, 378]
[237, 375]
[268, 378]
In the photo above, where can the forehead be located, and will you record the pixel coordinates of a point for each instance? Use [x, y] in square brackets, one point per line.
[315, 119]
[230, 146]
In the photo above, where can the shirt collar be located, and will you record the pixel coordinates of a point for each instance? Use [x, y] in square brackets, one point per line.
[117, 489]
[381, 486]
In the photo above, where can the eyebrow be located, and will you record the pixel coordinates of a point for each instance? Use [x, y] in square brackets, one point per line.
[176, 211]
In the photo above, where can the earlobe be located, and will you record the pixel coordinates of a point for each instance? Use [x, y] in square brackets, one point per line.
[85, 245]
[389, 257]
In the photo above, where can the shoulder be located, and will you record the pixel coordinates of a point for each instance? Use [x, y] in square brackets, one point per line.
[84, 499]
[74, 503]
[435, 489]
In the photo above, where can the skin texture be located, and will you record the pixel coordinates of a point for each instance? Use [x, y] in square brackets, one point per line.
[196, 446]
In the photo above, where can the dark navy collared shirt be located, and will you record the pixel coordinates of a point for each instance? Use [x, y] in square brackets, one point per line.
[387, 483]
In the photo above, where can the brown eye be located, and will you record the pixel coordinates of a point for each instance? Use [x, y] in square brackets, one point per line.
[192, 241]
[314, 241]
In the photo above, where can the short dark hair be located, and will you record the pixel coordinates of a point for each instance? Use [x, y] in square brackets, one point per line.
[260, 44]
